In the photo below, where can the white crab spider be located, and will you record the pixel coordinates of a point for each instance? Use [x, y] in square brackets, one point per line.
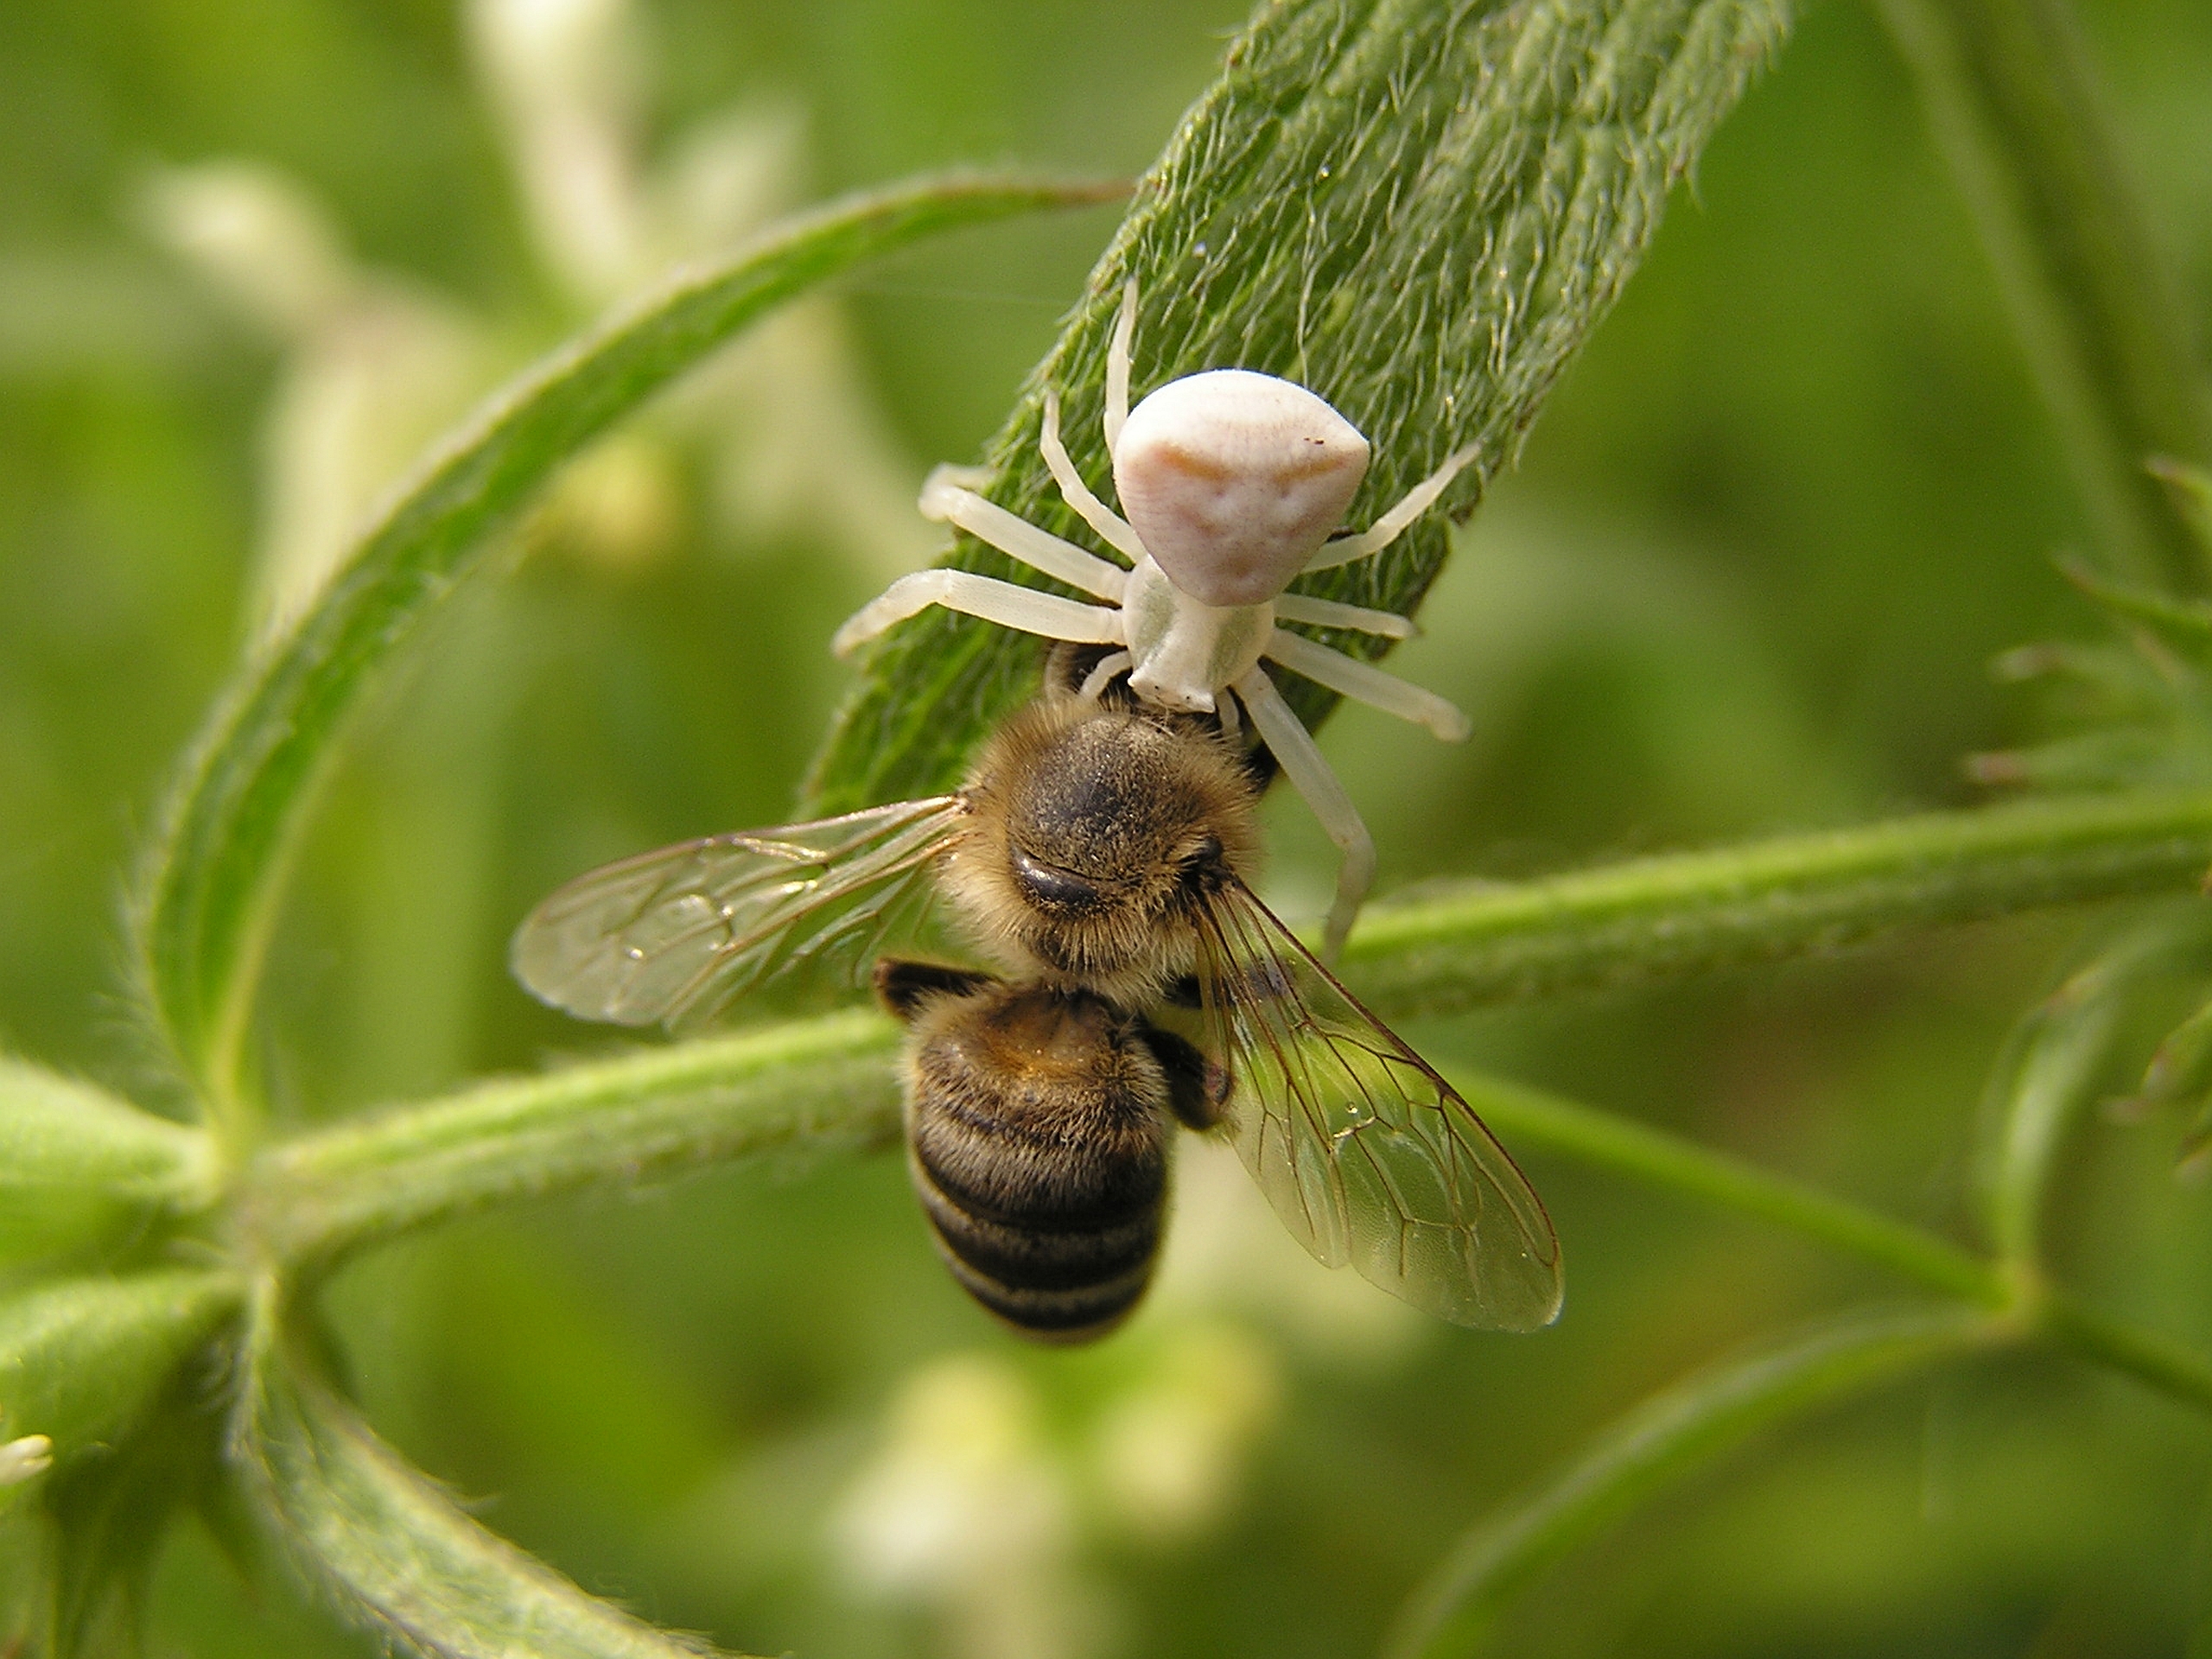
[1234, 482]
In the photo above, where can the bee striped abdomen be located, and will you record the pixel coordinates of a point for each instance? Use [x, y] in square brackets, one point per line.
[1037, 1137]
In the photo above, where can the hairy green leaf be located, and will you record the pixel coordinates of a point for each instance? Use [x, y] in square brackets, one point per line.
[386, 1543]
[206, 890]
[1419, 208]
[56, 1131]
[110, 1515]
[1669, 1437]
[82, 1359]
[794, 1088]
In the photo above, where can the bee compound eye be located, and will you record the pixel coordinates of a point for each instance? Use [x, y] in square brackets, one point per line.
[1050, 887]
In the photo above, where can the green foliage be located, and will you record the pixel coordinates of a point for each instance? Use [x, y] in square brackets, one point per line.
[1423, 209]
[212, 876]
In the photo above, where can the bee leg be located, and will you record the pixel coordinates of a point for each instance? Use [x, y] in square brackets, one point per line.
[903, 987]
[1198, 1088]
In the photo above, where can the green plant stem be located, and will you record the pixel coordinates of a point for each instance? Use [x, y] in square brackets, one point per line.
[2158, 1362]
[805, 1086]
[1666, 1161]
[1670, 1437]
[1525, 1115]
[2015, 107]
[1654, 917]
[209, 884]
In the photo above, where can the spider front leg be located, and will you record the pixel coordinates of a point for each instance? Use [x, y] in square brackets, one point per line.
[1112, 528]
[1392, 523]
[947, 497]
[1117, 366]
[1301, 760]
[1003, 602]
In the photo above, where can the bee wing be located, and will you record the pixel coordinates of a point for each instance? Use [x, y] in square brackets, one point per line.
[1368, 1156]
[674, 934]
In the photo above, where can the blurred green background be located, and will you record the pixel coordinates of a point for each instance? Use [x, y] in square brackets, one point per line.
[1763, 545]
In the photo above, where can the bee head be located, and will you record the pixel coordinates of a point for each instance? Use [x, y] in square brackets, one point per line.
[1098, 834]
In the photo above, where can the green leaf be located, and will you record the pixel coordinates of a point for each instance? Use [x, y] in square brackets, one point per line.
[2180, 625]
[2013, 98]
[110, 1515]
[390, 1547]
[2190, 489]
[1670, 1437]
[805, 1087]
[1646, 919]
[2056, 1063]
[81, 1360]
[1419, 208]
[208, 888]
[56, 1131]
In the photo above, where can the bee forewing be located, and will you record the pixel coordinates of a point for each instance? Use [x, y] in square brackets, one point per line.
[1368, 1156]
[672, 935]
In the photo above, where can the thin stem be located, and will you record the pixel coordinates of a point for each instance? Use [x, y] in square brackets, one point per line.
[2016, 108]
[1531, 1116]
[1668, 1437]
[1654, 917]
[2152, 1359]
[1524, 1116]
[210, 880]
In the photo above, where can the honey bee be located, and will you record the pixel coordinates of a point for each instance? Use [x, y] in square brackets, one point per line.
[1100, 854]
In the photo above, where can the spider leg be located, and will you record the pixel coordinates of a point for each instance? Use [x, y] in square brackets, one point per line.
[1102, 675]
[1364, 683]
[1117, 366]
[1224, 711]
[1327, 614]
[994, 601]
[1392, 525]
[1294, 750]
[949, 501]
[1112, 528]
